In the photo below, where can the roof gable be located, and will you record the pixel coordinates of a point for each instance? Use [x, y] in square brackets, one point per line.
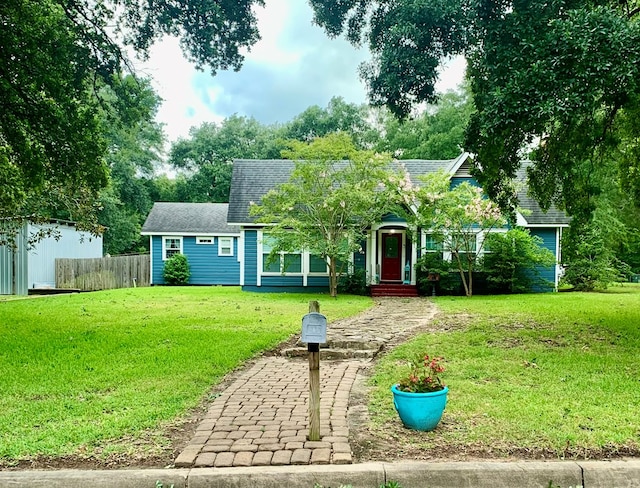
[189, 219]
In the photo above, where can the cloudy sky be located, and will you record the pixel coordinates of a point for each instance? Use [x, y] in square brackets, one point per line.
[294, 66]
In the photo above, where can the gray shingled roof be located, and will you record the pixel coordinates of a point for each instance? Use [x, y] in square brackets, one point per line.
[252, 178]
[189, 218]
[534, 214]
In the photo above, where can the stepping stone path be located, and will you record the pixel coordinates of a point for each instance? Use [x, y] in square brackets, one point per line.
[261, 419]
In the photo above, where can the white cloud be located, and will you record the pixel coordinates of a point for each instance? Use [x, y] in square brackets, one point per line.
[294, 65]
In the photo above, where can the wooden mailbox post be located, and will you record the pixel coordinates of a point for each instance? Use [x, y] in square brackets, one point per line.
[314, 333]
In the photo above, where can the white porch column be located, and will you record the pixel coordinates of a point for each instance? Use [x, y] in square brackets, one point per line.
[373, 252]
[414, 257]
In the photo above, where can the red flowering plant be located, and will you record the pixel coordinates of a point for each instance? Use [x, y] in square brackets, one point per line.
[423, 376]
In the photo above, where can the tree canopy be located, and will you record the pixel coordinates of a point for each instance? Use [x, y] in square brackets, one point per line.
[560, 77]
[458, 219]
[55, 57]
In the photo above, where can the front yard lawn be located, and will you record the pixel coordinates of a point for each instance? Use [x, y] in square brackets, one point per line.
[529, 375]
[79, 373]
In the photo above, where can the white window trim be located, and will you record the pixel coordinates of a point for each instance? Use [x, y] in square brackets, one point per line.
[282, 272]
[230, 246]
[307, 260]
[261, 253]
[164, 245]
[447, 255]
[206, 240]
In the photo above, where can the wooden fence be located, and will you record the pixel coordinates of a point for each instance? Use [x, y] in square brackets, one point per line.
[103, 273]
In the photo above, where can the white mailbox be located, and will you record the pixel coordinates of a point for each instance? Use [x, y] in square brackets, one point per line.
[314, 328]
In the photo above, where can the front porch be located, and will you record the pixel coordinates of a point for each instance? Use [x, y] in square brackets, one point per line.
[391, 258]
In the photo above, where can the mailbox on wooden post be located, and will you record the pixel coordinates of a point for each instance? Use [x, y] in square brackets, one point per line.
[314, 329]
[314, 333]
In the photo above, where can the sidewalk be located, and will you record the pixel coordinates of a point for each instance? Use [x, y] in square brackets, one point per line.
[554, 474]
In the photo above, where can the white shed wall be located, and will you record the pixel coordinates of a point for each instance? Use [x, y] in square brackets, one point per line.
[71, 244]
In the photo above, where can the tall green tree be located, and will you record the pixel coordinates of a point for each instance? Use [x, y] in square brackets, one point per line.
[332, 198]
[205, 159]
[54, 57]
[134, 152]
[555, 76]
[436, 133]
[338, 116]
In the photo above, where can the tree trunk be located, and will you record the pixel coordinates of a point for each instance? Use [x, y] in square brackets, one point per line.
[333, 278]
[463, 276]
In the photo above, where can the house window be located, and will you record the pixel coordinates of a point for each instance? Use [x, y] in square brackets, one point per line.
[204, 240]
[317, 264]
[171, 246]
[225, 246]
[465, 244]
[431, 244]
[282, 263]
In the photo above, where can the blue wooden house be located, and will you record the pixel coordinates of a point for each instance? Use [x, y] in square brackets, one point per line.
[224, 244]
[390, 251]
[200, 232]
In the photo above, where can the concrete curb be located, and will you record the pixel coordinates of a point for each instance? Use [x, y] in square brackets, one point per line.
[562, 474]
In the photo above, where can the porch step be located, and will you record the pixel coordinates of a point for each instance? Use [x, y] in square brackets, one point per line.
[332, 353]
[394, 290]
[339, 349]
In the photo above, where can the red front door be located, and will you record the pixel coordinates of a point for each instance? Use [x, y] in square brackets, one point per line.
[391, 257]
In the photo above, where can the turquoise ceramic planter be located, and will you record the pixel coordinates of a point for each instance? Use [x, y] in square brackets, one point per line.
[420, 411]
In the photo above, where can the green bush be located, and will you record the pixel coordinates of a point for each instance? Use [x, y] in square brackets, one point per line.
[513, 261]
[591, 264]
[432, 263]
[354, 283]
[176, 270]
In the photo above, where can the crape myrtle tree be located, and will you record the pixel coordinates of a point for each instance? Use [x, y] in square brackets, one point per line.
[333, 196]
[458, 219]
[54, 57]
[557, 81]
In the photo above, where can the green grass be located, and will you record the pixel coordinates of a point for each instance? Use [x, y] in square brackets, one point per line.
[78, 373]
[545, 372]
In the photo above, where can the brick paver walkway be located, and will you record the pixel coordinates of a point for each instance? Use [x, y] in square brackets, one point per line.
[262, 418]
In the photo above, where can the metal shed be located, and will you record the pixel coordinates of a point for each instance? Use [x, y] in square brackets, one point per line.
[25, 268]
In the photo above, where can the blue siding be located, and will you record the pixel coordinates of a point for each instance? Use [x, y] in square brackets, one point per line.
[457, 180]
[282, 280]
[158, 264]
[548, 236]
[251, 258]
[318, 281]
[207, 268]
[393, 218]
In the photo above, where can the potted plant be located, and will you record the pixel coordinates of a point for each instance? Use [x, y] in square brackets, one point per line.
[420, 397]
